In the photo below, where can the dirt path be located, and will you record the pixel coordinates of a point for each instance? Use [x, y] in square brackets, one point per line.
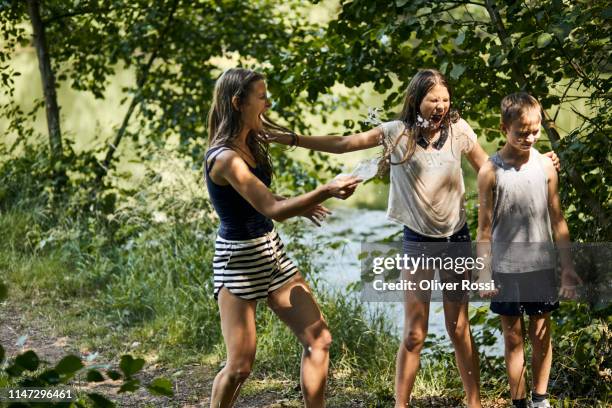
[21, 331]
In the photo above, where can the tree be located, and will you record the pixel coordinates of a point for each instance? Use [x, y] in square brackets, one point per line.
[171, 45]
[48, 79]
[558, 51]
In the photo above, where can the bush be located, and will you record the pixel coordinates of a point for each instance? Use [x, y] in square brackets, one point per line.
[140, 270]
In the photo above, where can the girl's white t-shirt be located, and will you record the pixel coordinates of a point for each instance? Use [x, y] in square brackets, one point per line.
[427, 191]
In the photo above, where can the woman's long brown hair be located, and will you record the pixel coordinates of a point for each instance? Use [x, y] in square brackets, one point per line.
[225, 122]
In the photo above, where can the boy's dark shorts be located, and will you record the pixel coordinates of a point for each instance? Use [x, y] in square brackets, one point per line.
[532, 293]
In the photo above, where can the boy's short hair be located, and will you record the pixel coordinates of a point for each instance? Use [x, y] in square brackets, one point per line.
[515, 105]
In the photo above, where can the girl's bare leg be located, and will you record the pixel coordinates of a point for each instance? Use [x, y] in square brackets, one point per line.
[238, 328]
[416, 318]
[466, 355]
[295, 305]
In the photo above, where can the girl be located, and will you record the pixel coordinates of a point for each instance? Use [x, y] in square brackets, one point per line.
[249, 261]
[424, 149]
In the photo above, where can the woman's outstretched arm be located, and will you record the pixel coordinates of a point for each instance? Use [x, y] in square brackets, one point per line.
[333, 144]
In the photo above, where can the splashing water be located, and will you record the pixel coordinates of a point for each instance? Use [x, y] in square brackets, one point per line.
[365, 169]
[374, 116]
[421, 122]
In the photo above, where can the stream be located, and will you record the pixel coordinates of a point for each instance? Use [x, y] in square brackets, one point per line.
[339, 240]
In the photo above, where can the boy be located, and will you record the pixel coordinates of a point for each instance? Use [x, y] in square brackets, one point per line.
[519, 216]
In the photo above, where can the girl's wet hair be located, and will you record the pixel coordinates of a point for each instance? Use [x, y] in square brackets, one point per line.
[225, 122]
[420, 85]
[515, 105]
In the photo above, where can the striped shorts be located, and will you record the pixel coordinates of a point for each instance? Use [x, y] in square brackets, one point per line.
[252, 268]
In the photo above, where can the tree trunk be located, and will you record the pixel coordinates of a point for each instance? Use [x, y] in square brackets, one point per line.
[48, 80]
[137, 98]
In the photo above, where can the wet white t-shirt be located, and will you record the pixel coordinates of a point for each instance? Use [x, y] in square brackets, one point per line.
[427, 191]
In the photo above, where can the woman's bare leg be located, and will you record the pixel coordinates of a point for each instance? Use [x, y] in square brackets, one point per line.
[466, 355]
[238, 328]
[295, 305]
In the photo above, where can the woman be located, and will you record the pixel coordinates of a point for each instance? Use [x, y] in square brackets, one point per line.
[424, 148]
[249, 261]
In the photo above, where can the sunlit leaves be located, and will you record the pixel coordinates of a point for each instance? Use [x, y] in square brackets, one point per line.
[552, 49]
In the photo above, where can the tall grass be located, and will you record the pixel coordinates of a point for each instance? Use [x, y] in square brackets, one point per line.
[142, 274]
[139, 277]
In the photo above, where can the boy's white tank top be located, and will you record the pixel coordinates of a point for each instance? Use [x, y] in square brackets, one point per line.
[521, 232]
[427, 191]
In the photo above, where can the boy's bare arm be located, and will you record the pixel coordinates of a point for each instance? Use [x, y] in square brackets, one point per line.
[486, 182]
[561, 236]
[558, 224]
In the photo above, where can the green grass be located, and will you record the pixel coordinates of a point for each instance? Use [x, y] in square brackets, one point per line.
[110, 280]
[154, 287]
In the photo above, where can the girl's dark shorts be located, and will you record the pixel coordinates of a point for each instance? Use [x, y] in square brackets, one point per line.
[457, 246]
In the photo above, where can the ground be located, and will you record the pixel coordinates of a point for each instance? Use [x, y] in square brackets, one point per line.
[22, 329]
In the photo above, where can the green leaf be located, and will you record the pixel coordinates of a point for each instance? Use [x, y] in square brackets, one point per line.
[51, 377]
[113, 375]
[526, 42]
[544, 39]
[30, 382]
[561, 31]
[100, 401]
[69, 365]
[161, 386]
[580, 355]
[460, 38]
[130, 366]
[129, 386]
[14, 370]
[457, 71]
[443, 67]
[94, 376]
[28, 360]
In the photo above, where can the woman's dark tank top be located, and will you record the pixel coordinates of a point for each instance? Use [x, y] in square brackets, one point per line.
[239, 220]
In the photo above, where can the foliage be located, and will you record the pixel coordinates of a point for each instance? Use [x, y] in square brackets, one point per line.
[557, 50]
[582, 365]
[90, 40]
[173, 47]
[26, 370]
[132, 259]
